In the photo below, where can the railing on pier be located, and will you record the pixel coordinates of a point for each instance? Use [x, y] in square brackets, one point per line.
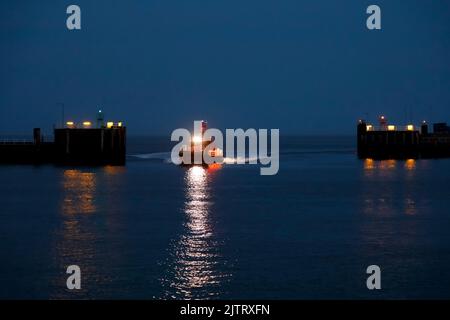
[16, 141]
[22, 140]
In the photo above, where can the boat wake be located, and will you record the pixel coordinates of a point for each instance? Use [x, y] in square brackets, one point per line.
[239, 160]
[161, 156]
[165, 157]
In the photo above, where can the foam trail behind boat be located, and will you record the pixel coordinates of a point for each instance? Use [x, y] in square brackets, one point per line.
[165, 156]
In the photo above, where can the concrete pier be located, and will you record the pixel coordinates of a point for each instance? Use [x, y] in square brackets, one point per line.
[408, 142]
[83, 146]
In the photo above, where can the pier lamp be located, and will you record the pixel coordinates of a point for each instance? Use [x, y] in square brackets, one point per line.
[109, 125]
[391, 127]
[119, 124]
[410, 127]
[70, 124]
[87, 124]
[369, 127]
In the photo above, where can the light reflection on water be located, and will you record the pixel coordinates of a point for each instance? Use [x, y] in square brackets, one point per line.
[410, 164]
[381, 167]
[75, 241]
[391, 205]
[195, 272]
[79, 189]
[380, 194]
[79, 237]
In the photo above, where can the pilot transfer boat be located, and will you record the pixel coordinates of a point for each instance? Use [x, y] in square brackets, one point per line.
[194, 153]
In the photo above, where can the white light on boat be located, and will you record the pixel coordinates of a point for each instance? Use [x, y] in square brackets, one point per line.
[197, 139]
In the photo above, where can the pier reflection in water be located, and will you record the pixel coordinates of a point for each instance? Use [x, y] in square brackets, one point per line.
[388, 203]
[80, 238]
[75, 239]
[79, 189]
[383, 181]
[195, 270]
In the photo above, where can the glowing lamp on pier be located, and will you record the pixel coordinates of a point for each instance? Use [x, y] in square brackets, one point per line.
[70, 124]
[410, 127]
[109, 124]
[391, 127]
[87, 124]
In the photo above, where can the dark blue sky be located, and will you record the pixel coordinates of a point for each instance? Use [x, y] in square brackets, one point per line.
[301, 66]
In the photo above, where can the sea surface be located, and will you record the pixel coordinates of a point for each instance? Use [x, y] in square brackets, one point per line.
[153, 230]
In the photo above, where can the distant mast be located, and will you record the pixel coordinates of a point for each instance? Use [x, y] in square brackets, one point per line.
[383, 122]
[204, 127]
[100, 119]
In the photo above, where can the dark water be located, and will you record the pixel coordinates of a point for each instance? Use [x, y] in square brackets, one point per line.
[154, 230]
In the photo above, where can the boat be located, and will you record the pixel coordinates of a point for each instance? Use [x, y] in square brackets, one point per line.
[193, 153]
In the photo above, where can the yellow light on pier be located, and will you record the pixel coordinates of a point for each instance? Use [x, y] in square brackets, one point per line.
[70, 124]
[410, 127]
[119, 124]
[391, 127]
[369, 127]
[109, 125]
[87, 124]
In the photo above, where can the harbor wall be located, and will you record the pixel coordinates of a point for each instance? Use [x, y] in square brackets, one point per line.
[97, 146]
[401, 144]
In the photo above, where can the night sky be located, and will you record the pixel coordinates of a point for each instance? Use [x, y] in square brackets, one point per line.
[306, 67]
